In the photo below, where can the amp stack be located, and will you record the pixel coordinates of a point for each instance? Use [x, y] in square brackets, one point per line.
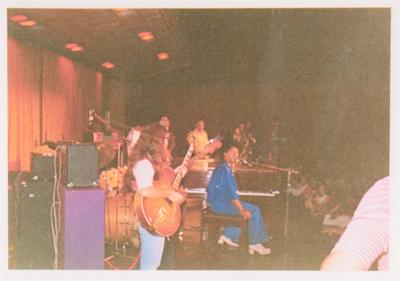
[32, 198]
[81, 243]
[59, 210]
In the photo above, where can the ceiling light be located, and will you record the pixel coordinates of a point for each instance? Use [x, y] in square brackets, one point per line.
[146, 35]
[71, 45]
[120, 9]
[28, 23]
[108, 65]
[76, 49]
[163, 56]
[18, 18]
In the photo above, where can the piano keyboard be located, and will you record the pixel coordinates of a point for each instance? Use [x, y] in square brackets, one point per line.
[272, 193]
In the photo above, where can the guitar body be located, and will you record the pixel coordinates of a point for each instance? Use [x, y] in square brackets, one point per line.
[161, 216]
[158, 215]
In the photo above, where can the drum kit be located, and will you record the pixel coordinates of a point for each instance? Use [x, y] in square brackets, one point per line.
[120, 224]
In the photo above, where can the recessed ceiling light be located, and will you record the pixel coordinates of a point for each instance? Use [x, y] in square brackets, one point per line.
[120, 9]
[108, 65]
[146, 35]
[71, 45]
[18, 18]
[27, 23]
[163, 56]
[76, 49]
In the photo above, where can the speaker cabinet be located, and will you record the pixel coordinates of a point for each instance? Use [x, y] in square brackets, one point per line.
[42, 167]
[82, 235]
[34, 241]
[79, 165]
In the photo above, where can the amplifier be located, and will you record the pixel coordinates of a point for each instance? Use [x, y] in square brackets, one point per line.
[79, 165]
[34, 241]
[42, 166]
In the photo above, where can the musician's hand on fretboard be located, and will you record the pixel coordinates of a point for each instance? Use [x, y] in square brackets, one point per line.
[184, 170]
[183, 191]
[176, 197]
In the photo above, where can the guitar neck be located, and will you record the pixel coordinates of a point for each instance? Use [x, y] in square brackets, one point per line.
[179, 175]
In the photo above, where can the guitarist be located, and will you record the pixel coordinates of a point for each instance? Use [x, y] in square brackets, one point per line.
[146, 163]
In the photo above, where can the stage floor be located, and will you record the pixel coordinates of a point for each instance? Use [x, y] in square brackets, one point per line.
[305, 247]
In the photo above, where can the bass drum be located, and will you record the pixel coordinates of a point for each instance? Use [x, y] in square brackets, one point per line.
[120, 218]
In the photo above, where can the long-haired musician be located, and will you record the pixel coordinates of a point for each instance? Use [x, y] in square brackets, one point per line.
[146, 162]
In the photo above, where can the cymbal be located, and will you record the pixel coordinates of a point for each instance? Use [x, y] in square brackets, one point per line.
[107, 153]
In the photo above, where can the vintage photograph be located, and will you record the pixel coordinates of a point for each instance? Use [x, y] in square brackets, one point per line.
[198, 138]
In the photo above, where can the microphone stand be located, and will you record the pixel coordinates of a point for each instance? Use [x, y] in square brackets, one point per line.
[289, 186]
[243, 161]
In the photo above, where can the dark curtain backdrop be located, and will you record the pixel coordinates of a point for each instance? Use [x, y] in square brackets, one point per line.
[117, 93]
[40, 80]
[325, 74]
[221, 106]
[343, 133]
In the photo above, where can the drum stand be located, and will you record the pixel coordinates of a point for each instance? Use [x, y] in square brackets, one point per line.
[126, 257]
[121, 259]
[124, 254]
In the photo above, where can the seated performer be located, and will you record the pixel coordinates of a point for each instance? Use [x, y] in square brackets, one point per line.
[148, 156]
[223, 199]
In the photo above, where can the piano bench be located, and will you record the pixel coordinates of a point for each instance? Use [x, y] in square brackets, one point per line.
[215, 221]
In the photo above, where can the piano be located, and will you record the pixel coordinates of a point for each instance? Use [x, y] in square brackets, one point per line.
[261, 187]
[203, 191]
[249, 180]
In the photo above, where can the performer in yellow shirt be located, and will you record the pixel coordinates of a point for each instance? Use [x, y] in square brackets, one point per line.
[200, 139]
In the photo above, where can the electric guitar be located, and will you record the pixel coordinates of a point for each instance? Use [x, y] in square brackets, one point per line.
[161, 216]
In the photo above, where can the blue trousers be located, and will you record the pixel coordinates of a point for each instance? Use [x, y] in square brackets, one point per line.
[151, 249]
[257, 231]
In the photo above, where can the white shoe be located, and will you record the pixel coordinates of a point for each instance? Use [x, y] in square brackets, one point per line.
[260, 249]
[223, 239]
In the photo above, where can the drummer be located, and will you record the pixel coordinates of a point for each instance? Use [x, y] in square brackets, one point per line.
[133, 137]
[170, 137]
